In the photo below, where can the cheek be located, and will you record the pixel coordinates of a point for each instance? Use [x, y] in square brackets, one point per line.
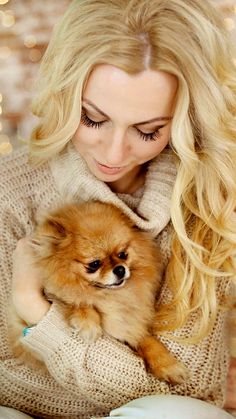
[150, 149]
[85, 137]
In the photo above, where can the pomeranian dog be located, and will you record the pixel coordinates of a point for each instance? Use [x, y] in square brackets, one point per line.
[107, 273]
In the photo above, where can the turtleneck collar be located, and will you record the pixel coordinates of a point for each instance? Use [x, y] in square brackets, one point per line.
[75, 182]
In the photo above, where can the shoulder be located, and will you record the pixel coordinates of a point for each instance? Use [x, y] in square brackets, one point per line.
[22, 188]
[18, 176]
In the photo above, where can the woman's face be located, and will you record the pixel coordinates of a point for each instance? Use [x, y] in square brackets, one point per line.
[125, 122]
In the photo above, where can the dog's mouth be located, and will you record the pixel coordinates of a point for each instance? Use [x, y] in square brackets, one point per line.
[118, 284]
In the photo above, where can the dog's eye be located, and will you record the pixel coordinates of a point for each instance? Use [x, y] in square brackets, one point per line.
[93, 266]
[122, 255]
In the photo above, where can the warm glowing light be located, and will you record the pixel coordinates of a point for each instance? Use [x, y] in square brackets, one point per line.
[229, 24]
[234, 61]
[35, 55]
[4, 1]
[8, 19]
[30, 41]
[0, 97]
[0, 110]
[5, 148]
[5, 52]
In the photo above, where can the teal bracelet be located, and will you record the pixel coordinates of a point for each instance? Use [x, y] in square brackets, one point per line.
[27, 330]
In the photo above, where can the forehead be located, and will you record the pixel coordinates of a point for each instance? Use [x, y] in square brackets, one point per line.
[144, 95]
[102, 243]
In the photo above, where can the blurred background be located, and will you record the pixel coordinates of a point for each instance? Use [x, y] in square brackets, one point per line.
[25, 28]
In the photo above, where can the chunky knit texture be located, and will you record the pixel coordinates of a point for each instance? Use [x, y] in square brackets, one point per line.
[84, 380]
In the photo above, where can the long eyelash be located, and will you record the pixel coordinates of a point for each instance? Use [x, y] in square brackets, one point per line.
[153, 136]
[88, 122]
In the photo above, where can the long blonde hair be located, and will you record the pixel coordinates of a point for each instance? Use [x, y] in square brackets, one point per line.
[188, 40]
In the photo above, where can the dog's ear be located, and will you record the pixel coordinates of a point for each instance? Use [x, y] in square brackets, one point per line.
[54, 227]
[50, 234]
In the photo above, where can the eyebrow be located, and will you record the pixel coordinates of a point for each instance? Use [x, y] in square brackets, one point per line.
[159, 118]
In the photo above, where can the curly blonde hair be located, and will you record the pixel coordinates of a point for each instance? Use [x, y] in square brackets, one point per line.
[188, 40]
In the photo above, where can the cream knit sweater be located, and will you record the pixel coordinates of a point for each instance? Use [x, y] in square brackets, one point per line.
[89, 380]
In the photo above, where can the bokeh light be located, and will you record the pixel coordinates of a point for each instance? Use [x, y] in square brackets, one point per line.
[30, 41]
[35, 55]
[8, 18]
[5, 147]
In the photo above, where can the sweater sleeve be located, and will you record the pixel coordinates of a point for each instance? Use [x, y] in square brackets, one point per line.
[108, 370]
[104, 370]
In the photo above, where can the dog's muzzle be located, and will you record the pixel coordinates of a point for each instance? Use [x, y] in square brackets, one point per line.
[117, 278]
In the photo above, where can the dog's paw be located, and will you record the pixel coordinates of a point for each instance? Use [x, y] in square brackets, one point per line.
[90, 333]
[174, 373]
[88, 330]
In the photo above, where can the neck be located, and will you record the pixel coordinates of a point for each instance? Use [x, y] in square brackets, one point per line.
[131, 182]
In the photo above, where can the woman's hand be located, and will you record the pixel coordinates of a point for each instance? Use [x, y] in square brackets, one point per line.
[27, 291]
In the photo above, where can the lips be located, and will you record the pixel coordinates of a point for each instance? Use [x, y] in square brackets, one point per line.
[108, 170]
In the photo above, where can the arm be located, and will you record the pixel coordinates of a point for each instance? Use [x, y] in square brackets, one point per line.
[27, 293]
[111, 371]
[106, 369]
[207, 360]
[115, 372]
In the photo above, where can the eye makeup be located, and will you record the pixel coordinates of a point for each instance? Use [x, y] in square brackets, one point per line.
[152, 136]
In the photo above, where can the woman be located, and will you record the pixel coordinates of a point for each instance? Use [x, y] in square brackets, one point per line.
[136, 106]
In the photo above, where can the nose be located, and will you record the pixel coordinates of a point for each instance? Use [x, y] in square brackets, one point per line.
[116, 149]
[119, 271]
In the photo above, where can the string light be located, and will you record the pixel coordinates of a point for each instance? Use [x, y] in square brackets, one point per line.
[35, 55]
[8, 19]
[30, 41]
[5, 148]
[5, 145]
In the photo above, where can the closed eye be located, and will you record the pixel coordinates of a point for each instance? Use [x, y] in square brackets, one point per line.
[89, 122]
[152, 136]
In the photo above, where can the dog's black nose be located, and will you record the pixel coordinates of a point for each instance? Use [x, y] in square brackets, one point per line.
[119, 271]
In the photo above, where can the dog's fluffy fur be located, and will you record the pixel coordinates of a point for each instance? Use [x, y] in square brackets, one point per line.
[107, 273]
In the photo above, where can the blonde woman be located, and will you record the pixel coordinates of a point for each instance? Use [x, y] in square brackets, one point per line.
[136, 106]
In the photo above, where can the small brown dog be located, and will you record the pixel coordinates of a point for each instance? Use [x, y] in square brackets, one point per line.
[107, 272]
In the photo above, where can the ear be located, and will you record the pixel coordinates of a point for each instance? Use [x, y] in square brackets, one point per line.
[51, 222]
[54, 227]
[50, 233]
